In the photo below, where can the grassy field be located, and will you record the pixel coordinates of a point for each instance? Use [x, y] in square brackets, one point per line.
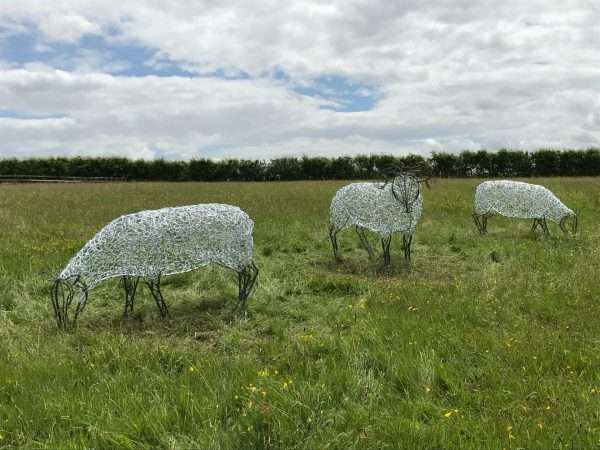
[461, 350]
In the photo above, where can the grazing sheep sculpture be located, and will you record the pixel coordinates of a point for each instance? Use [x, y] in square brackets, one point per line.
[383, 208]
[151, 244]
[520, 200]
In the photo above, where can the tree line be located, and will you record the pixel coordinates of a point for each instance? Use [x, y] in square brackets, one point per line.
[503, 163]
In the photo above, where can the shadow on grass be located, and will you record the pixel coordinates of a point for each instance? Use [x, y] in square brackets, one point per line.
[203, 315]
[421, 267]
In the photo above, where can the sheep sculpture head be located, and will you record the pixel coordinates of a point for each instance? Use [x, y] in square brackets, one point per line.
[406, 181]
[62, 293]
[568, 221]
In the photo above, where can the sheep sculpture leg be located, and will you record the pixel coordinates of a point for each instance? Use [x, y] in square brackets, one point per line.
[407, 243]
[545, 226]
[477, 222]
[246, 280]
[364, 241]
[333, 231]
[129, 284]
[385, 246]
[542, 224]
[154, 286]
[480, 222]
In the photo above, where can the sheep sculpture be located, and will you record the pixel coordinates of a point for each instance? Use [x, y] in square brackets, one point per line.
[150, 244]
[520, 200]
[393, 206]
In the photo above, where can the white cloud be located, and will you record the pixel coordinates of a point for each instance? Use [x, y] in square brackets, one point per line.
[68, 27]
[450, 75]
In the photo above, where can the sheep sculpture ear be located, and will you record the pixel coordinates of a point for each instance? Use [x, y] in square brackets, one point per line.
[423, 172]
[389, 173]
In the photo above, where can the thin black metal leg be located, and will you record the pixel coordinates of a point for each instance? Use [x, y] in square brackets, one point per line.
[129, 285]
[333, 238]
[246, 280]
[545, 226]
[154, 286]
[385, 246]
[407, 242]
[535, 225]
[476, 219]
[364, 241]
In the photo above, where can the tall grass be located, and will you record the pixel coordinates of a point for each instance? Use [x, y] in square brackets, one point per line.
[457, 351]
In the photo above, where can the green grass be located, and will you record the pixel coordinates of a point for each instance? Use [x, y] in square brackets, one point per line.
[457, 351]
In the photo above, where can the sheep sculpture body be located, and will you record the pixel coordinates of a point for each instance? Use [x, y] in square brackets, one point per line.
[150, 244]
[520, 200]
[382, 208]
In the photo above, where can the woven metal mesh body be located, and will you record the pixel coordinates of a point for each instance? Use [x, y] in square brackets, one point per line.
[374, 207]
[166, 241]
[519, 200]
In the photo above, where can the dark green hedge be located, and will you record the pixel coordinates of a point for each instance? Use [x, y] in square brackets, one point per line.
[482, 163]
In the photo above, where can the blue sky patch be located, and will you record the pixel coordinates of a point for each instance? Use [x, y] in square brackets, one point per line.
[12, 114]
[341, 94]
[91, 52]
[111, 55]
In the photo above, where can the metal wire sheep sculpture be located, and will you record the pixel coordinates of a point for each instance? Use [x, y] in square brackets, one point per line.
[393, 206]
[151, 244]
[520, 200]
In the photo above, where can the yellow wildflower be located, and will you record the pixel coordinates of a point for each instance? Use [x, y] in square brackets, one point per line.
[508, 430]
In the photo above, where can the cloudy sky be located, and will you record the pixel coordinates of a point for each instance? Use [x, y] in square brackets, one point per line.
[180, 79]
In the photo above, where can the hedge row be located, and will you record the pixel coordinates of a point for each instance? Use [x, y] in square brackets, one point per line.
[482, 163]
